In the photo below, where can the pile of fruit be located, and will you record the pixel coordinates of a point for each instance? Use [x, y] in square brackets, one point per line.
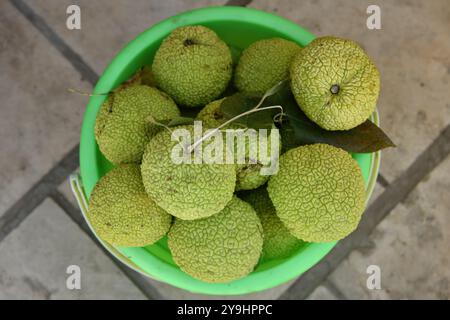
[221, 220]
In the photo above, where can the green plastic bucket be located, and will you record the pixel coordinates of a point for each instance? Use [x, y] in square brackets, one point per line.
[238, 27]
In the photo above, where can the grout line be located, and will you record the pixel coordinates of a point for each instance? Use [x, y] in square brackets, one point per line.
[240, 3]
[74, 213]
[86, 72]
[382, 181]
[334, 290]
[22, 208]
[395, 193]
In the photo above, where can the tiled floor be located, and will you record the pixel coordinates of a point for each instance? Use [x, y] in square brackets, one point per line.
[40, 125]
[410, 246]
[35, 258]
[40, 121]
[122, 20]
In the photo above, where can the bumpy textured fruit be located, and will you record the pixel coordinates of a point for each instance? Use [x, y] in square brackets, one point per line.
[318, 193]
[221, 248]
[187, 191]
[193, 66]
[123, 127]
[122, 214]
[263, 64]
[248, 176]
[278, 242]
[335, 83]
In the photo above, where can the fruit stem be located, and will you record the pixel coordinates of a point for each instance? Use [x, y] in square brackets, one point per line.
[279, 117]
[188, 42]
[270, 92]
[152, 120]
[335, 89]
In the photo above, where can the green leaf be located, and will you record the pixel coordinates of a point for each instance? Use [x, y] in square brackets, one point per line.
[298, 129]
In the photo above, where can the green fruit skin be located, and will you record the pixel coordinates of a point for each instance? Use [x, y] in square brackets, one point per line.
[318, 192]
[123, 128]
[248, 176]
[122, 214]
[278, 241]
[187, 191]
[193, 66]
[329, 61]
[263, 64]
[221, 248]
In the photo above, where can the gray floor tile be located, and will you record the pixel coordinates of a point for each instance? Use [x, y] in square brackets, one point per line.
[40, 121]
[322, 293]
[410, 247]
[35, 257]
[377, 191]
[351, 278]
[108, 25]
[412, 52]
